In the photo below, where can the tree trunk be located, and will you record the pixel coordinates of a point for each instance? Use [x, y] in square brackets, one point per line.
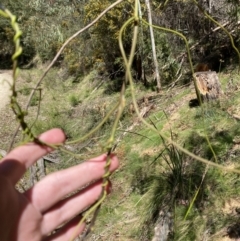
[153, 45]
[208, 85]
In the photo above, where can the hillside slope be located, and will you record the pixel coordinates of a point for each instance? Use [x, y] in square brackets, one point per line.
[154, 177]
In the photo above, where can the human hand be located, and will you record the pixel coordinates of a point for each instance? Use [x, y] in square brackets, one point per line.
[36, 213]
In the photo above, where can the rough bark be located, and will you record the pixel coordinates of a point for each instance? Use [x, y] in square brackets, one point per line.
[208, 85]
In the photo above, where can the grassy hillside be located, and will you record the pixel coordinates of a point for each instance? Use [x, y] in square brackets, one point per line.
[155, 179]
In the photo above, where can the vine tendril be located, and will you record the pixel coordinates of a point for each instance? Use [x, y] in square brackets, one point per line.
[118, 107]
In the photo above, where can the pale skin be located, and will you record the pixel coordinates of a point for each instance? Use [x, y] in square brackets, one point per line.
[36, 213]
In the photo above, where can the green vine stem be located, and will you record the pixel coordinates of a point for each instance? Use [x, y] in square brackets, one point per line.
[222, 27]
[16, 108]
[194, 79]
[128, 72]
[96, 128]
[20, 114]
[95, 208]
[67, 42]
[57, 56]
[188, 53]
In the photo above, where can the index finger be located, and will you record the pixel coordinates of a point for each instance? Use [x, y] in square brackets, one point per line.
[15, 164]
[56, 186]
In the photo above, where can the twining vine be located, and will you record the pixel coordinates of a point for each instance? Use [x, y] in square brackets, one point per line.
[118, 107]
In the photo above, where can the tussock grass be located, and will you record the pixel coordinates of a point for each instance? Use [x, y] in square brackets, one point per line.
[154, 176]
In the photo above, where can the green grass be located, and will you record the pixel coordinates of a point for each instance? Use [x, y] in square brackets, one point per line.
[25, 91]
[153, 175]
[73, 99]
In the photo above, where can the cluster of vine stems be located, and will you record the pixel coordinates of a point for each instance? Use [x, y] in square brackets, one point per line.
[135, 21]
